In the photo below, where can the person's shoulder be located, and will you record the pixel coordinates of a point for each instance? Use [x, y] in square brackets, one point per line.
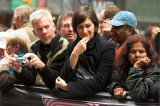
[65, 41]
[33, 43]
[27, 25]
[31, 47]
[102, 41]
[105, 43]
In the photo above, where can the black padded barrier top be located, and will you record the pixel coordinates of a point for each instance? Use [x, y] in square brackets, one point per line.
[20, 95]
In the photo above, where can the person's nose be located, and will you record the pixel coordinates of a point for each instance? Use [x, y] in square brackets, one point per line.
[137, 54]
[85, 30]
[70, 28]
[44, 30]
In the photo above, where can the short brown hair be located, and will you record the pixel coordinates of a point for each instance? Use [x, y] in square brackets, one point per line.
[81, 14]
[24, 11]
[63, 16]
[110, 11]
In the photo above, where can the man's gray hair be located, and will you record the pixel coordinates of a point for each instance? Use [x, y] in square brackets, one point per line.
[35, 16]
[24, 11]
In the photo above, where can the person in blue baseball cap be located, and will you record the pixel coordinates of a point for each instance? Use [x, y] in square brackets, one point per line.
[123, 26]
[124, 18]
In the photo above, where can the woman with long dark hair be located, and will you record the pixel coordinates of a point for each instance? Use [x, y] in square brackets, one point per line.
[135, 70]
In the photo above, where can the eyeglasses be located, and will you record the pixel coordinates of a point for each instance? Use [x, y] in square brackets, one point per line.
[66, 26]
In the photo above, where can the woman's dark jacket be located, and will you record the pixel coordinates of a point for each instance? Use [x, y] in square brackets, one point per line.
[103, 55]
[155, 90]
[6, 79]
[138, 82]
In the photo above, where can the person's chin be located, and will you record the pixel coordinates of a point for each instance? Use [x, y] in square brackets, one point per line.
[47, 42]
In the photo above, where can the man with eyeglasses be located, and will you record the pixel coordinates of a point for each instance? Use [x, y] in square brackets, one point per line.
[64, 26]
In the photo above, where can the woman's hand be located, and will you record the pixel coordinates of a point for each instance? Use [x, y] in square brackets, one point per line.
[118, 93]
[60, 83]
[79, 49]
[14, 65]
[142, 63]
[81, 46]
[7, 57]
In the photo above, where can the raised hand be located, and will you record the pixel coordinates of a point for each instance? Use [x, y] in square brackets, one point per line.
[79, 49]
[7, 57]
[81, 46]
[142, 63]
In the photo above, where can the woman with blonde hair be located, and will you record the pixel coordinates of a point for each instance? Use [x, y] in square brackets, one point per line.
[16, 44]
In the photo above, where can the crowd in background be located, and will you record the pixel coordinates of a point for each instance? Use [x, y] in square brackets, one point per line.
[80, 55]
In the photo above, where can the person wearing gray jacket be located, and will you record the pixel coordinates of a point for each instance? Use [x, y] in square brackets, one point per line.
[136, 70]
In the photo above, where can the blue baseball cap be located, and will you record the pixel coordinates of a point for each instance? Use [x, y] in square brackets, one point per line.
[123, 18]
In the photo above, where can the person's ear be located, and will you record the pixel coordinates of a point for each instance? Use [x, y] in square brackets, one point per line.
[131, 30]
[19, 18]
[17, 47]
[54, 27]
[34, 33]
[110, 18]
[58, 30]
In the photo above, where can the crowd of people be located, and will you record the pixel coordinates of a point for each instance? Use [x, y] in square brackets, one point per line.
[80, 55]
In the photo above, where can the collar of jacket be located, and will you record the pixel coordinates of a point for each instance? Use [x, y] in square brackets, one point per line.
[39, 45]
[26, 25]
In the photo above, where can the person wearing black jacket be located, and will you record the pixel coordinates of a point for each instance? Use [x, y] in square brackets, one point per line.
[47, 54]
[89, 61]
[136, 70]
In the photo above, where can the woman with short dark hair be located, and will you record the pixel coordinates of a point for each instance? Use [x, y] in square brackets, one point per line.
[90, 59]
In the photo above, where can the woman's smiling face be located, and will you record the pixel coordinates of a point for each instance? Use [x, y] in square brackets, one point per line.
[86, 29]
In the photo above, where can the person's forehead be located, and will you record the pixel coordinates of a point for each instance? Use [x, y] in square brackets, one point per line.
[42, 21]
[68, 19]
[121, 26]
[101, 15]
